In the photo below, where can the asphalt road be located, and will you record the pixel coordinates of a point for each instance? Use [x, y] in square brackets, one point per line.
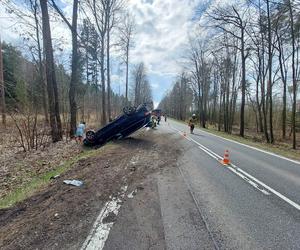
[252, 205]
[202, 204]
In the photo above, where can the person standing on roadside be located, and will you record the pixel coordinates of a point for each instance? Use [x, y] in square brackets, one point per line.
[80, 132]
[192, 122]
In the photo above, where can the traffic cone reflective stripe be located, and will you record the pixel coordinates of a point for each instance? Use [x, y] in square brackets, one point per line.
[225, 160]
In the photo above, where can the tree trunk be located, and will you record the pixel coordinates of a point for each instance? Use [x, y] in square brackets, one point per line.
[293, 75]
[75, 72]
[243, 58]
[270, 92]
[108, 73]
[284, 81]
[41, 66]
[55, 122]
[103, 121]
[127, 72]
[258, 103]
[2, 89]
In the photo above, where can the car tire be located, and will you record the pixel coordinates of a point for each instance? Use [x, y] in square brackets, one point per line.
[128, 110]
[90, 135]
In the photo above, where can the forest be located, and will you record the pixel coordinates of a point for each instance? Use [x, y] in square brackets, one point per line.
[241, 71]
[44, 93]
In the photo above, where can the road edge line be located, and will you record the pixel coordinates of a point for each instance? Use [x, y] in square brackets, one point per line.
[279, 195]
[252, 147]
[286, 199]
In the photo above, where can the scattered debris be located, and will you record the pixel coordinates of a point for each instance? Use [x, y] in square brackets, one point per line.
[107, 165]
[133, 193]
[140, 188]
[111, 217]
[76, 183]
[133, 168]
[54, 177]
[56, 215]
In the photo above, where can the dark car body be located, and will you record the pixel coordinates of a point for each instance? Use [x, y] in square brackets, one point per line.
[121, 127]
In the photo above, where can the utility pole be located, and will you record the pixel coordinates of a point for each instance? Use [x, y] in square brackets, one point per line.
[2, 90]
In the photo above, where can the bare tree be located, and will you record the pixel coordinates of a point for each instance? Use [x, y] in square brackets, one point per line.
[30, 17]
[112, 11]
[98, 10]
[294, 73]
[2, 89]
[234, 22]
[125, 43]
[201, 79]
[283, 58]
[75, 74]
[270, 78]
[55, 121]
[41, 69]
[141, 87]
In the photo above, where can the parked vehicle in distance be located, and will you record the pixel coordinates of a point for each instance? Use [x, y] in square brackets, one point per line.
[130, 121]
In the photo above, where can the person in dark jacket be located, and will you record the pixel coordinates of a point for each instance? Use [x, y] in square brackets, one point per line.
[192, 122]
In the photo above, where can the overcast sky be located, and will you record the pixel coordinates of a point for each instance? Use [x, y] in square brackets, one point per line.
[161, 38]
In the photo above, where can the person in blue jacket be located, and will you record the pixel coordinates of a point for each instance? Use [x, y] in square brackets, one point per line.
[80, 132]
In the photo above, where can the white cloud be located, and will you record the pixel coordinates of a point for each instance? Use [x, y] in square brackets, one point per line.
[160, 39]
[161, 32]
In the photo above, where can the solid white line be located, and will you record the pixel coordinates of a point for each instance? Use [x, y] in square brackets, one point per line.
[216, 158]
[237, 169]
[252, 147]
[249, 181]
[294, 204]
[100, 231]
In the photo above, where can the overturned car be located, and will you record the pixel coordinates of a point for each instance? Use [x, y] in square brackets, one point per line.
[130, 121]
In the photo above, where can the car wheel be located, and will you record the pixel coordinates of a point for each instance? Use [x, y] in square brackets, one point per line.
[90, 135]
[128, 110]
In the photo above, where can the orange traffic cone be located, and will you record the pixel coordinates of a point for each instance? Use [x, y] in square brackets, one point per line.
[225, 160]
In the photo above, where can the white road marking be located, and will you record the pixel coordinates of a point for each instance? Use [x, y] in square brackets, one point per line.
[100, 231]
[243, 173]
[294, 204]
[249, 181]
[257, 149]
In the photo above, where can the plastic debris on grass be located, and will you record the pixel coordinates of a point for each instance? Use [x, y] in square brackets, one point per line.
[76, 183]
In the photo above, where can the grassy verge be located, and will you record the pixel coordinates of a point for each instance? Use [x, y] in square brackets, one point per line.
[280, 149]
[38, 182]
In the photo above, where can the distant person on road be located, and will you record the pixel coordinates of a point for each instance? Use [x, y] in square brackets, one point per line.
[165, 117]
[158, 119]
[192, 122]
[80, 132]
